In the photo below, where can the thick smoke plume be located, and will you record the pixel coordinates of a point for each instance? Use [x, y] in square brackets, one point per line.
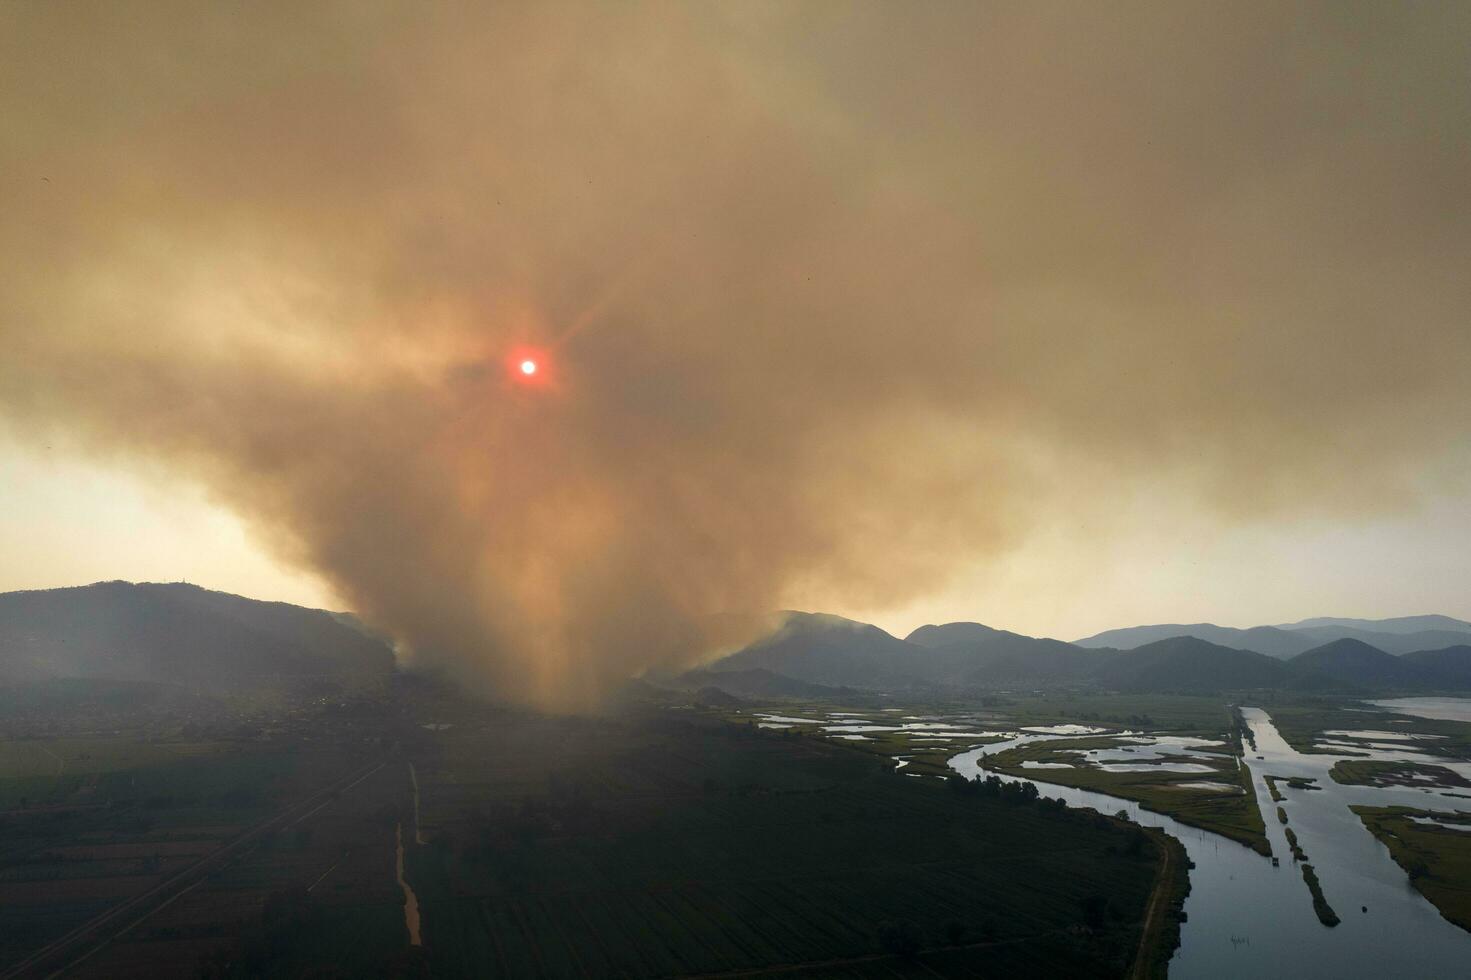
[827, 301]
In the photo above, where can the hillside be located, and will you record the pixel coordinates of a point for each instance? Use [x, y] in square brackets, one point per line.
[1355, 664]
[811, 655]
[836, 652]
[177, 634]
[1395, 643]
[1448, 669]
[1394, 624]
[1261, 639]
[980, 656]
[756, 683]
[1051, 664]
[955, 634]
[1189, 665]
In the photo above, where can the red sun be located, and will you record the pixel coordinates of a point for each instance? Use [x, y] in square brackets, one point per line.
[528, 366]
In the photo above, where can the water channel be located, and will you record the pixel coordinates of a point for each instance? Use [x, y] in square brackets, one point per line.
[1248, 918]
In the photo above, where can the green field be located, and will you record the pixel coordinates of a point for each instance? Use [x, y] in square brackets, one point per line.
[1368, 772]
[1437, 859]
[1206, 717]
[1303, 720]
[660, 847]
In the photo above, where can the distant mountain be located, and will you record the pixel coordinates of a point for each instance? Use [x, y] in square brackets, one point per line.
[1051, 664]
[1449, 669]
[1269, 640]
[180, 635]
[984, 657]
[820, 656]
[837, 652]
[715, 697]
[1395, 624]
[1190, 665]
[1395, 643]
[1353, 663]
[840, 653]
[955, 634]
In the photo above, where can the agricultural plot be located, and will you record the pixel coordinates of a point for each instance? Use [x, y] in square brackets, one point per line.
[607, 848]
[318, 892]
[115, 817]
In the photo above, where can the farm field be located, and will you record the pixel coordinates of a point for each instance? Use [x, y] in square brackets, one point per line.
[89, 824]
[682, 846]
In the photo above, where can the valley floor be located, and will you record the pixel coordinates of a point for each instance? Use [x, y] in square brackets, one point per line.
[686, 846]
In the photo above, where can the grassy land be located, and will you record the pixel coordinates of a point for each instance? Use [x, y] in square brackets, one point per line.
[1297, 852]
[1366, 772]
[1207, 717]
[1325, 912]
[1162, 928]
[657, 846]
[1437, 859]
[1302, 721]
[925, 758]
[1178, 714]
[1233, 815]
[925, 755]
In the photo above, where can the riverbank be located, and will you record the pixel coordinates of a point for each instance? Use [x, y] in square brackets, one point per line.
[1161, 788]
[1259, 917]
[1160, 936]
[1432, 851]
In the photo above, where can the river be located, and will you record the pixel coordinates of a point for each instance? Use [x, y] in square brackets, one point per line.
[411, 901]
[1247, 918]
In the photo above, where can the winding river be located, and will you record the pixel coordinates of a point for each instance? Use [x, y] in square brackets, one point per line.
[1248, 918]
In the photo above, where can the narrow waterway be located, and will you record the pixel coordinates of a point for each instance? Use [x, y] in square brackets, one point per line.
[1248, 918]
[411, 901]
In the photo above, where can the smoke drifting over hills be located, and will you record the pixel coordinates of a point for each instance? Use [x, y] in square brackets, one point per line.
[828, 300]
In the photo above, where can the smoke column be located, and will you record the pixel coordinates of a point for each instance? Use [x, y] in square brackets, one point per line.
[823, 301]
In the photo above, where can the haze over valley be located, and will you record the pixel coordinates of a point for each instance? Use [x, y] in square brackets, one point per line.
[760, 489]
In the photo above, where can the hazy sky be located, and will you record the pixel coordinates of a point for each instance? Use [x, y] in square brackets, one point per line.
[1060, 317]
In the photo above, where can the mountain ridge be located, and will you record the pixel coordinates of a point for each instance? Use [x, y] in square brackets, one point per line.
[178, 634]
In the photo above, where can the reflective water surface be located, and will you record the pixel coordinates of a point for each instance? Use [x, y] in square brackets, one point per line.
[1444, 709]
[1247, 918]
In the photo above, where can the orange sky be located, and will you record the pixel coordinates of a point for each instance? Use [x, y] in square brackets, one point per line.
[1060, 318]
